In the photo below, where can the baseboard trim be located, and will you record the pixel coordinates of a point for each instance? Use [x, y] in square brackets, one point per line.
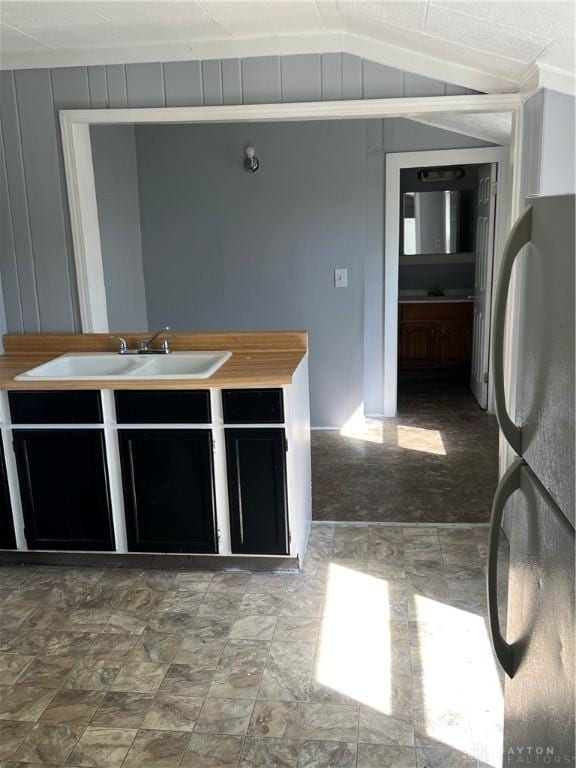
[152, 561]
[363, 523]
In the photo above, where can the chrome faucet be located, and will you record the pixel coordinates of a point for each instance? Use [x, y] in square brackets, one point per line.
[144, 348]
[145, 343]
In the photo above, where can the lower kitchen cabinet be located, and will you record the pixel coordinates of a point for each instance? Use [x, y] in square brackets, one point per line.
[168, 490]
[7, 537]
[256, 466]
[64, 488]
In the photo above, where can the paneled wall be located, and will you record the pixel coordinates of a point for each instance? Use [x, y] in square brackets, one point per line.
[36, 258]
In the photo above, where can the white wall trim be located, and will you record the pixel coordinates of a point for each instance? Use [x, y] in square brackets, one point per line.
[543, 76]
[85, 225]
[80, 171]
[395, 162]
[361, 109]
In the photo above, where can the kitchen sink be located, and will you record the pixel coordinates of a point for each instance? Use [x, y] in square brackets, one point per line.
[197, 365]
[78, 366]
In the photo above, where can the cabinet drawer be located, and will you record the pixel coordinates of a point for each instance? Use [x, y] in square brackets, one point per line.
[162, 406]
[253, 406]
[82, 407]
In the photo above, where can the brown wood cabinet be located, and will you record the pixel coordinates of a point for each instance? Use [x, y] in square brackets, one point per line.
[435, 335]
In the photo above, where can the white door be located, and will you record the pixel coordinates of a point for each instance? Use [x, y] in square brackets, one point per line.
[483, 282]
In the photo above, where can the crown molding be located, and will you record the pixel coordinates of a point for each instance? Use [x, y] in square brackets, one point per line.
[389, 55]
[542, 76]
[330, 42]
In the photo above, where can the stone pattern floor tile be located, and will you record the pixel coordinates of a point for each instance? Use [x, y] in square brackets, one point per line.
[440, 436]
[376, 655]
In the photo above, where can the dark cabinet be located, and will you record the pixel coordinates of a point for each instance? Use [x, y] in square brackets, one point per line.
[435, 335]
[168, 490]
[64, 488]
[55, 407]
[7, 537]
[455, 344]
[253, 406]
[176, 406]
[256, 464]
[417, 345]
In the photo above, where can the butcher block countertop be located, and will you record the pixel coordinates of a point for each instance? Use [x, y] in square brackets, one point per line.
[266, 359]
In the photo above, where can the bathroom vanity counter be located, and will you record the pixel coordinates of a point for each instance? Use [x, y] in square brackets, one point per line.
[417, 299]
[258, 359]
[209, 472]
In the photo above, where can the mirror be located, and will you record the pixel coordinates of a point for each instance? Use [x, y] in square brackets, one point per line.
[431, 222]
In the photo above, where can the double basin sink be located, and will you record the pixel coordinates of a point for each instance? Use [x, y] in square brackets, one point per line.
[109, 366]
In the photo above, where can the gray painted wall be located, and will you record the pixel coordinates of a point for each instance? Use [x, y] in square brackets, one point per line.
[224, 249]
[36, 259]
[116, 177]
[227, 250]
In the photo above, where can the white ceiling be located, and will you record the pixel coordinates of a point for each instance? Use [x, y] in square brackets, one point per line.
[487, 44]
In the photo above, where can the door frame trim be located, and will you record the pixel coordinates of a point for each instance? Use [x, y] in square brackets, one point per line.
[395, 162]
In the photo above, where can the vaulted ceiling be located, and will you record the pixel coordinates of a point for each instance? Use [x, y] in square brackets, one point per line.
[485, 44]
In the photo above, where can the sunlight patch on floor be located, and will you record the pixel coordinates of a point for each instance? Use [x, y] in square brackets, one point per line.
[420, 439]
[379, 431]
[359, 427]
[457, 673]
[355, 654]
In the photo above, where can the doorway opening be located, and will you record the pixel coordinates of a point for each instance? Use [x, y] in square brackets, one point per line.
[446, 216]
[446, 258]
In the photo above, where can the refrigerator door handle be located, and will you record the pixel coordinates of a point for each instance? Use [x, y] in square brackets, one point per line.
[517, 239]
[509, 483]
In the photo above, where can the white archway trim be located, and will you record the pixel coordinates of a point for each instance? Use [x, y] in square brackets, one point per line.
[75, 126]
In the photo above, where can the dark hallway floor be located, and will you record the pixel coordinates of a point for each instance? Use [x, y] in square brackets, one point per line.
[436, 462]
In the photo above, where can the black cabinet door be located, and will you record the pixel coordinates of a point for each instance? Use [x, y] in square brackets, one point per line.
[256, 460]
[64, 488]
[168, 490]
[7, 538]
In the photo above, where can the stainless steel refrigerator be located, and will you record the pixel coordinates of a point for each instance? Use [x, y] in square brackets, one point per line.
[536, 494]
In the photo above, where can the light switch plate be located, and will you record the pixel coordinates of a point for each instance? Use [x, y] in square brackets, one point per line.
[340, 278]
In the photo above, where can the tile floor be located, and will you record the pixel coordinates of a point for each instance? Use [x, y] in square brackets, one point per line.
[365, 472]
[376, 656]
